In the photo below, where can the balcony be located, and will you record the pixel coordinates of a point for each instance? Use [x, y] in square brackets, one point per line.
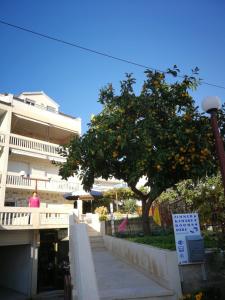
[42, 114]
[34, 146]
[14, 180]
[17, 218]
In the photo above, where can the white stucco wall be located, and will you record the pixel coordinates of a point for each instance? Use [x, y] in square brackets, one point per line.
[35, 167]
[54, 119]
[6, 114]
[15, 237]
[40, 169]
[40, 98]
[15, 268]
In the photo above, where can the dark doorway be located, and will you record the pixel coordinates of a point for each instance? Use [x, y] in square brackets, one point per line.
[52, 257]
[87, 206]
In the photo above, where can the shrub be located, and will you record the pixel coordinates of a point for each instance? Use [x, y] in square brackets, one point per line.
[103, 218]
[102, 211]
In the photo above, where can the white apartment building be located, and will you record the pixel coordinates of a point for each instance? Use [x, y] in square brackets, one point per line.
[31, 239]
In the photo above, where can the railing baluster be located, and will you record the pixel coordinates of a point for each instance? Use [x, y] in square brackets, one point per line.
[13, 218]
[8, 218]
[16, 219]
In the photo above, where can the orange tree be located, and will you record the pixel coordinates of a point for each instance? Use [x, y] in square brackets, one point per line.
[159, 134]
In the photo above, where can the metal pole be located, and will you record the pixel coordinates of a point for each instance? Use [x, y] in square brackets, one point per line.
[112, 219]
[219, 145]
[36, 185]
[116, 202]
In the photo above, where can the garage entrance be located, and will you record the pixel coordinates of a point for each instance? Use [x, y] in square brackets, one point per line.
[52, 258]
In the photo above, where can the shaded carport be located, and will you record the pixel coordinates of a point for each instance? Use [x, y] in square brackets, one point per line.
[9, 294]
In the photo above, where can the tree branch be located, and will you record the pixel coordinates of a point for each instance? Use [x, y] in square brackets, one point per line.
[139, 193]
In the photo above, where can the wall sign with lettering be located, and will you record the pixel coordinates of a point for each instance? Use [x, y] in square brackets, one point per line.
[184, 225]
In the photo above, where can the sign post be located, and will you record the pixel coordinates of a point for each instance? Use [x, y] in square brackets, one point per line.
[112, 218]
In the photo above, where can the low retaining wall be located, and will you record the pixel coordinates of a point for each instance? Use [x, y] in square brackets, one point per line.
[159, 264]
[83, 277]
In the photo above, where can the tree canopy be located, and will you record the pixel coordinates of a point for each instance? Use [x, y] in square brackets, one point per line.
[159, 135]
[205, 196]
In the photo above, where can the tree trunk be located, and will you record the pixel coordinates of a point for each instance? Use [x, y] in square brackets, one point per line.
[145, 218]
[147, 200]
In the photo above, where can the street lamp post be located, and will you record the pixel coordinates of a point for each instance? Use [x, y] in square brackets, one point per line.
[211, 105]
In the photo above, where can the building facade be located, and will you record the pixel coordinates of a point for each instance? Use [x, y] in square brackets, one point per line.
[33, 240]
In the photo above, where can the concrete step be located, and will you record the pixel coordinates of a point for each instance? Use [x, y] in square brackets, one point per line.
[96, 238]
[92, 232]
[56, 294]
[97, 242]
[118, 280]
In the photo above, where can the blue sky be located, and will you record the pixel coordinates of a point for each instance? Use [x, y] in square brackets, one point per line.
[158, 34]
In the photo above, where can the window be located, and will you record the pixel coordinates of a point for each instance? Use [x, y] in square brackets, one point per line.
[50, 108]
[29, 101]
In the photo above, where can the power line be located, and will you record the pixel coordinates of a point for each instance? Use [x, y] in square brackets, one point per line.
[75, 45]
[94, 51]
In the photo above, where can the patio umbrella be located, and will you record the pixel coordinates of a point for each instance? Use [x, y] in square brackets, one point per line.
[76, 194]
[96, 191]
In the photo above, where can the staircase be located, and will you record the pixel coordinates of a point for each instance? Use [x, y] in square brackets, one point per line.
[118, 280]
[96, 239]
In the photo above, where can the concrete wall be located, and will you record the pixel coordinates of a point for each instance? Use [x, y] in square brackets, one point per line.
[15, 237]
[4, 153]
[48, 200]
[15, 268]
[82, 270]
[211, 274]
[160, 265]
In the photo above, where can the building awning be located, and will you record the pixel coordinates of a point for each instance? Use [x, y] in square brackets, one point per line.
[75, 195]
[96, 191]
[31, 120]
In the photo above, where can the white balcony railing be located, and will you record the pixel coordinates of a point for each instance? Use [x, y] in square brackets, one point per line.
[32, 218]
[34, 145]
[2, 138]
[16, 181]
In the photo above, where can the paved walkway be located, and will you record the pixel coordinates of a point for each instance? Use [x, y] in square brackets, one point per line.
[8, 294]
[118, 280]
